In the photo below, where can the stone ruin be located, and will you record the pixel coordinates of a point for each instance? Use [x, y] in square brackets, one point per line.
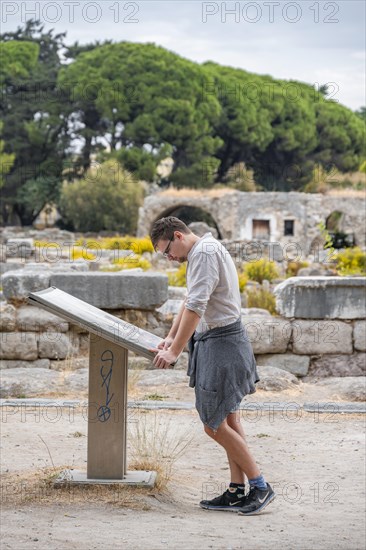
[278, 220]
[319, 329]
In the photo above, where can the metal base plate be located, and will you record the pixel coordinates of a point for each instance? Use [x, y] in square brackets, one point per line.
[135, 478]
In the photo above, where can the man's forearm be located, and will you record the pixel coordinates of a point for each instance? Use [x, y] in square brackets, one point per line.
[187, 326]
[175, 326]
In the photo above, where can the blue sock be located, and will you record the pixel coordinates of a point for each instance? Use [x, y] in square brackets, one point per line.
[258, 482]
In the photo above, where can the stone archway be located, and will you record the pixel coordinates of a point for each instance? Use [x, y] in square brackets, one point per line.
[189, 214]
[218, 208]
[334, 223]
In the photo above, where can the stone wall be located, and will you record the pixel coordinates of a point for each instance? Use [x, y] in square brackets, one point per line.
[33, 337]
[234, 212]
[320, 329]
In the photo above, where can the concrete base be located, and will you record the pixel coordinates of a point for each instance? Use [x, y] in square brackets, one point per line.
[135, 478]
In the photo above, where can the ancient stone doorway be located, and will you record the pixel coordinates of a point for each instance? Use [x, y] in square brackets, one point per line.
[261, 229]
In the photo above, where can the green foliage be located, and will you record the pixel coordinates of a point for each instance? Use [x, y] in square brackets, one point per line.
[361, 113]
[17, 59]
[351, 261]
[178, 277]
[210, 119]
[281, 129]
[262, 298]
[328, 243]
[141, 163]
[106, 199]
[35, 114]
[261, 270]
[154, 101]
[6, 159]
[341, 137]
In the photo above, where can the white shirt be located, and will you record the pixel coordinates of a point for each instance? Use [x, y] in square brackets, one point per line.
[212, 284]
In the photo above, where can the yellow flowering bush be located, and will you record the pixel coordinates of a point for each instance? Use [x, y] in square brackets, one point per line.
[127, 242]
[260, 270]
[77, 254]
[138, 245]
[130, 262]
[178, 278]
[243, 279]
[352, 261]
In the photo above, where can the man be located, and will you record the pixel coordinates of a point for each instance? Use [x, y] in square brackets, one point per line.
[222, 366]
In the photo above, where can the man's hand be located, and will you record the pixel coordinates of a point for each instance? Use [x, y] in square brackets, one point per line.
[166, 343]
[164, 358]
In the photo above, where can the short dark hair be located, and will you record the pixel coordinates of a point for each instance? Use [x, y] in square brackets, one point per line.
[165, 227]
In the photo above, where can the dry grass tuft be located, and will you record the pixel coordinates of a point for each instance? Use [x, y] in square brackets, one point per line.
[36, 487]
[132, 381]
[156, 443]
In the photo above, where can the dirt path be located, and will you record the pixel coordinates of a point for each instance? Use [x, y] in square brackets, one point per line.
[314, 462]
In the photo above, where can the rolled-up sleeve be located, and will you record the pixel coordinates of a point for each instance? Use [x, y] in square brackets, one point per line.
[202, 279]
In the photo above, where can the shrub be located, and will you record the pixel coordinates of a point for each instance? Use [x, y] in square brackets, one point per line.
[77, 254]
[262, 298]
[351, 261]
[243, 279]
[178, 278]
[127, 242]
[260, 270]
[107, 198]
[130, 262]
[294, 267]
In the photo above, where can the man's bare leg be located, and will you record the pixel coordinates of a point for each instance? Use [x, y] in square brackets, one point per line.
[236, 473]
[236, 448]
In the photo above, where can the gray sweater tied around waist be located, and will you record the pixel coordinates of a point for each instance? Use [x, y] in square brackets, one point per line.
[222, 369]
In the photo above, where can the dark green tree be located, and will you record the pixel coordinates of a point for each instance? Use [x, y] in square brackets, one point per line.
[281, 129]
[361, 113]
[140, 96]
[34, 113]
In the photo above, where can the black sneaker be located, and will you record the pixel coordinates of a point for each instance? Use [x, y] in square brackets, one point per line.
[256, 500]
[227, 502]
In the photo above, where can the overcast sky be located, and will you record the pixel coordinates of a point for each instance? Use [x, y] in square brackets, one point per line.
[310, 41]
